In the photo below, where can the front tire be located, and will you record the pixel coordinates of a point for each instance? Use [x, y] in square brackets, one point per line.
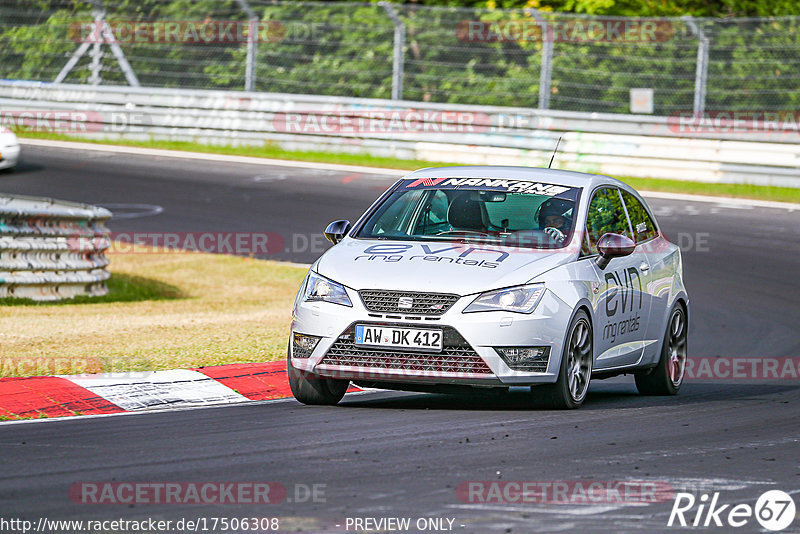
[312, 389]
[666, 378]
[575, 371]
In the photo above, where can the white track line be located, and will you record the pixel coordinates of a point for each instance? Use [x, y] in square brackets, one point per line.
[119, 149]
[225, 158]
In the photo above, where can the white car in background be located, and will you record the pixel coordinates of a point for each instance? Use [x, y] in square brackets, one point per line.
[9, 149]
[493, 277]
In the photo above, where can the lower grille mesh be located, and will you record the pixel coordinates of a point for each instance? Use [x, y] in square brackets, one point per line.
[457, 356]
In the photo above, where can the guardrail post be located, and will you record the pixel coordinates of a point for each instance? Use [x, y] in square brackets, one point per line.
[399, 45]
[546, 69]
[701, 73]
[252, 49]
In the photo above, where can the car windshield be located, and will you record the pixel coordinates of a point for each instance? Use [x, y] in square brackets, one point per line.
[501, 212]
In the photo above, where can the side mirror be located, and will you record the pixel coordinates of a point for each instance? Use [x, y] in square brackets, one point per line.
[613, 246]
[336, 231]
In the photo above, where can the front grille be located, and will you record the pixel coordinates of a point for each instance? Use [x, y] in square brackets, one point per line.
[457, 356]
[422, 303]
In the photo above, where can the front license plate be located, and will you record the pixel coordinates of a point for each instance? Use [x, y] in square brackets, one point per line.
[405, 338]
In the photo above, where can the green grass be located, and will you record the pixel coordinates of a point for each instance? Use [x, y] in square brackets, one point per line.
[177, 316]
[758, 192]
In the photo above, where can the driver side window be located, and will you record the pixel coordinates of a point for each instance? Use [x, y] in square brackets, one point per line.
[643, 226]
[434, 215]
[606, 215]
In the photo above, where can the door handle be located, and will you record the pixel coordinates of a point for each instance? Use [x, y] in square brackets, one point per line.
[644, 267]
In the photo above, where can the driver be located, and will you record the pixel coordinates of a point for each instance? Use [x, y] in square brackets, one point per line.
[553, 218]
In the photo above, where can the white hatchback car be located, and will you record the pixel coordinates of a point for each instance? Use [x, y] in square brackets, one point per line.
[465, 277]
[9, 149]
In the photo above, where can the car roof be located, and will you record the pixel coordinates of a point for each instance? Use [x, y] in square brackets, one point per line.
[533, 174]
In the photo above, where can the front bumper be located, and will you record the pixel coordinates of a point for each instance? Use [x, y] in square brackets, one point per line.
[469, 358]
[9, 156]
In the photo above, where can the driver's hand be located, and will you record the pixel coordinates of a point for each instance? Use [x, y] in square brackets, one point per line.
[556, 234]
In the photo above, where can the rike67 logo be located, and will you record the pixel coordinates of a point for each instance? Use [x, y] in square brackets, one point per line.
[774, 510]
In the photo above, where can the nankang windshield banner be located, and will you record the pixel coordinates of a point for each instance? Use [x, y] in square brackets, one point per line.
[493, 184]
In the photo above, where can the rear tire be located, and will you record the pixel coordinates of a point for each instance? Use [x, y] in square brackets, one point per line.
[312, 389]
[666, 378]
[575, 371]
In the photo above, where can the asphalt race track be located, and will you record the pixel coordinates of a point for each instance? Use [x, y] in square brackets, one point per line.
[382, 454]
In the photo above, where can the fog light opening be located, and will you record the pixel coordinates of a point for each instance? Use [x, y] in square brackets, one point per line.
[525, 358]
[303, 345]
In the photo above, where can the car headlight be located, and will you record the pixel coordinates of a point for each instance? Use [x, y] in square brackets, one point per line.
[319, 288]
[520, 299]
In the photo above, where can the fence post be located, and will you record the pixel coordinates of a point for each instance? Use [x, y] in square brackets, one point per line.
[399, 45]
[701, 73]
[252, 41]
[546, 69]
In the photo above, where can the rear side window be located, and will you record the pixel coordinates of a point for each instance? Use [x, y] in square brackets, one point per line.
[606, 216]
[643, 226]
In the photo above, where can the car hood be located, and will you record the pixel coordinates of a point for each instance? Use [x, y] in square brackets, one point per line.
[433, 266]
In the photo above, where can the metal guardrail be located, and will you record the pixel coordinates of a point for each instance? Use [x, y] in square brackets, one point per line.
[617, 144]
[52, 250]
